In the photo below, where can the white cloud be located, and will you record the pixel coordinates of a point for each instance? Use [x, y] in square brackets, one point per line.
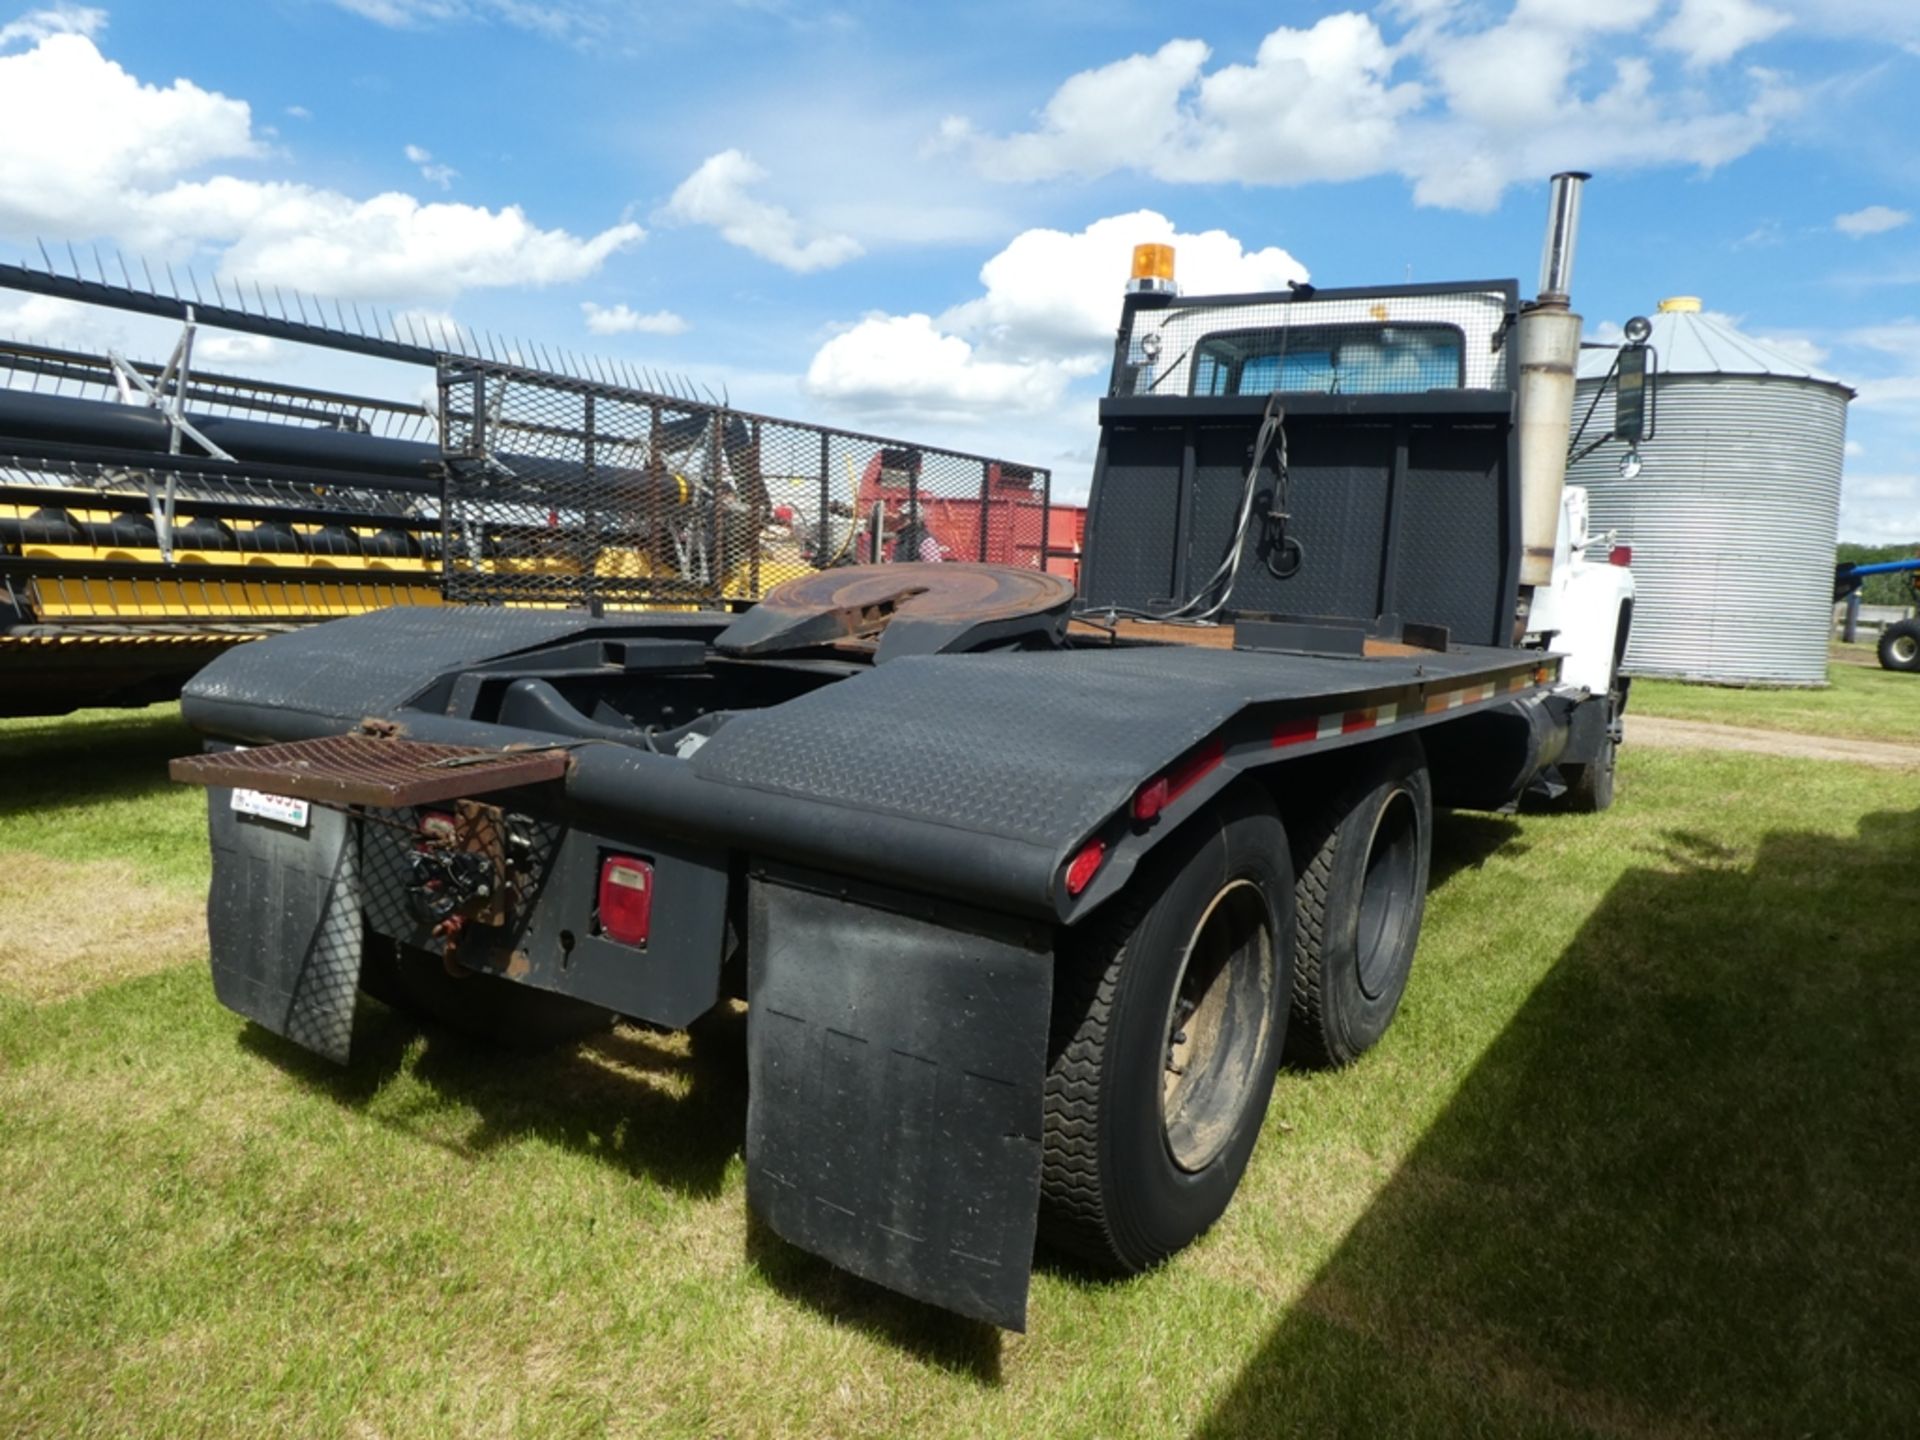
[716, 194]
[299, 112]
[1052, 293]
[247, 350]
[1044, 319]
[1316, 104]
[1885, 21]
[1899, 338]
[38, 25]
[1460, 107]
[1896, 392]
[389, 246]
[1711, 32]
[404, 14]
[116, 137]
[1880, 509]
[1798, 348]
[1873, 220]
[121, 162]
[432, 173]
[622, 320]
[44, 318]
[905, 362]
[564, 20]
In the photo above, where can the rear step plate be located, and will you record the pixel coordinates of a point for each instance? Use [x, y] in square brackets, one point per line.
[368, 770]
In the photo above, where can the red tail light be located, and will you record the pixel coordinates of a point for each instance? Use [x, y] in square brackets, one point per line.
[1620, 555]
[1085, 866]
[626, 899]
[1163, 790]
[1151, 799]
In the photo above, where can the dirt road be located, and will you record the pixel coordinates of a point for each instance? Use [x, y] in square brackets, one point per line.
[1703, 735]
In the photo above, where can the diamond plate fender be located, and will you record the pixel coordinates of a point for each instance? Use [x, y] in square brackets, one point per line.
[896, 1057]
[284, 921]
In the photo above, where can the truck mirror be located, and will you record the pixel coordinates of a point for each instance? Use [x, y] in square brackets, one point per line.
[1632, 384]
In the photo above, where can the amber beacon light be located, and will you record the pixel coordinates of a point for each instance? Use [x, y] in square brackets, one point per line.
[1152, 268]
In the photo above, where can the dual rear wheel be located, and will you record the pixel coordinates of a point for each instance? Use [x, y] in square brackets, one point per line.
[1172, 1006]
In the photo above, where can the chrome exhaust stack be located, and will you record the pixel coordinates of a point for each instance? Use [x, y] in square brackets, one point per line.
[1548, 349]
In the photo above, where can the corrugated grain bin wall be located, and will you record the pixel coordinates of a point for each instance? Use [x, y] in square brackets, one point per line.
[1732, 521]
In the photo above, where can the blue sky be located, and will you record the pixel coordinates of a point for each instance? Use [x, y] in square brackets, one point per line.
[915, 219]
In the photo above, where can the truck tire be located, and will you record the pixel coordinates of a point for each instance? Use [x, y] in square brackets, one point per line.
[1590, 786]
[1169, 1011]
[479, 1007]
[1900, 646]
[1363, 862]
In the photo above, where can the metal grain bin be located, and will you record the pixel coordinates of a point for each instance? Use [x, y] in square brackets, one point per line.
[1733, 515]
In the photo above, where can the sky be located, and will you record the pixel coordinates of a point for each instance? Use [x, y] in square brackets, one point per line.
[916, 219]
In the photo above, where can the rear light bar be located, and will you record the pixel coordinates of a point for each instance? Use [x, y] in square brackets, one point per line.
[625, 911]
[1161, 791]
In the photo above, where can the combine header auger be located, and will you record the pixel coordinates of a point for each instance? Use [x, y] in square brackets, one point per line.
[153, 515]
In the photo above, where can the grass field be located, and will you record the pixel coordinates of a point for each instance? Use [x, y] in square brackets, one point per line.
[1861, 702]
[1638, 1158]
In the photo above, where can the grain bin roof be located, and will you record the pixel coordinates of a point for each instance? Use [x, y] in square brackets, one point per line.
[1695, 341]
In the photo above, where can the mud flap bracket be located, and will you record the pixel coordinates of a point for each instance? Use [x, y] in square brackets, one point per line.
[896, 1057]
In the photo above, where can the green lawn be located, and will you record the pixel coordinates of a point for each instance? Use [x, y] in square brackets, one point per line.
[1638, 1157]
[1862, 702]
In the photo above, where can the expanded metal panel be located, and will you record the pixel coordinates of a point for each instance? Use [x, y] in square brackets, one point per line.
[1378, 343]
[1732, 522]
[562, 491]
[370, 770]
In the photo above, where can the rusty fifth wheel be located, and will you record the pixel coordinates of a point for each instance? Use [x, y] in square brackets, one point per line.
[1168, 1018]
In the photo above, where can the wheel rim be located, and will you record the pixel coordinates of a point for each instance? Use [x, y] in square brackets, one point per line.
[1218, 1024]
[1388, 892]
[1905, 648]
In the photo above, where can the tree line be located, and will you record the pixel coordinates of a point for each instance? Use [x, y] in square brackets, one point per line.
[1880, 589]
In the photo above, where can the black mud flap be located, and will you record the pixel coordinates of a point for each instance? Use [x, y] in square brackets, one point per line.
[896, 1062]
[284, 920]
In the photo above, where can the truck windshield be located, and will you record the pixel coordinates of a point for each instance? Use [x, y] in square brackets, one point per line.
[1330, 360]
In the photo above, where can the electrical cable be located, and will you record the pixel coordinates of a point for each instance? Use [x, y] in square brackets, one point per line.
[1272, 427]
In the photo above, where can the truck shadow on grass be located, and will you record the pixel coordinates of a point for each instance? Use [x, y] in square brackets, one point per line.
[654, 1107]
[675, 1114]
[66, 762]
[1679, 1194]
[665, 1110]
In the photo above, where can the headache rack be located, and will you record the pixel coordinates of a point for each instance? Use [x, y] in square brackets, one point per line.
[1387, 499]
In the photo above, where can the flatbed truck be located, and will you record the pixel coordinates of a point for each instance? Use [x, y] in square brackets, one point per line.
[1028, 893]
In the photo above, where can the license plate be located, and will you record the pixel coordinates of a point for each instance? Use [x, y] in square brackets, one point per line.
[281, 808]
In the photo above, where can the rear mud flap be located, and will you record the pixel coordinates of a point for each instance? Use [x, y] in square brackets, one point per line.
[896, 1064]
[284, 919]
